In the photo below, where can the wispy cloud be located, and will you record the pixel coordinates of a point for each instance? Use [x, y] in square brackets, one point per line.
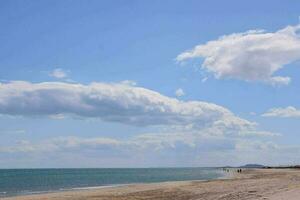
[179, 92]
[59, 73]
[203, 80]
[289, 111]
[12, 131]
[147, 141]
[129, 82]
[251, 56]
[179, 147]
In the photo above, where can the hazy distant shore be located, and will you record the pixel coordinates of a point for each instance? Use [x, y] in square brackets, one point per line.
[273, 184]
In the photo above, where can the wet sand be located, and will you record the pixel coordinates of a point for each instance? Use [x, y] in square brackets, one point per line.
[275, 184]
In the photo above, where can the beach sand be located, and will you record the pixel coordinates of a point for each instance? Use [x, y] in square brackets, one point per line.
[275, 184]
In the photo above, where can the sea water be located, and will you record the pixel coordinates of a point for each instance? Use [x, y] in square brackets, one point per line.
[15, 182]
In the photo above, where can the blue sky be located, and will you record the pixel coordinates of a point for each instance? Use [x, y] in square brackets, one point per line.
[130, 51]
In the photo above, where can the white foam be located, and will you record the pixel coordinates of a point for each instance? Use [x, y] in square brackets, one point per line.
[96, 187]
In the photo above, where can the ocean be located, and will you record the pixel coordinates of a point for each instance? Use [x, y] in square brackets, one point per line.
[15, 182]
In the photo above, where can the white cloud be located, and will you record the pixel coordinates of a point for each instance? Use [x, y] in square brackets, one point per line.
[151, 149]
[12, 131]
[57, 116]
[172, 147]
[246, 145]
[251, 56]
[142, 142]
[60, 144]
[289, 111]
[252, 113]
[58, 73]
[111, 102]
[179, 92]
[256, 133]
[279, 80]
[183, 128]
[129, 82]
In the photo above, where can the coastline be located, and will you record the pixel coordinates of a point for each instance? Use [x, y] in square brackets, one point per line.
[251, 184]
[90, 179]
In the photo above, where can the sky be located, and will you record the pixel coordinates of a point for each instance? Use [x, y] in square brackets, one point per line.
[149, 83]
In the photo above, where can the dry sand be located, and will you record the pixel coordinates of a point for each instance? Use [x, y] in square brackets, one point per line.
[275, 184]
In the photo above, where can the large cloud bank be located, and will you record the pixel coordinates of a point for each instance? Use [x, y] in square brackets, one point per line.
[251, 56]
[183, 130]
[110, 102]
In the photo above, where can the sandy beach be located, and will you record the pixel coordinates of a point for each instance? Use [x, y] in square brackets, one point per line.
[275, 184]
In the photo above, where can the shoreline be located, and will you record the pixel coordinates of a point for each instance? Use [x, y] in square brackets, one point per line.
[89, 188]
[62, 190]
[222, 175]
[251, 184]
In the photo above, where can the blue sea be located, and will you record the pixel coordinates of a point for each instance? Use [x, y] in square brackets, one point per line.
[15, 182]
